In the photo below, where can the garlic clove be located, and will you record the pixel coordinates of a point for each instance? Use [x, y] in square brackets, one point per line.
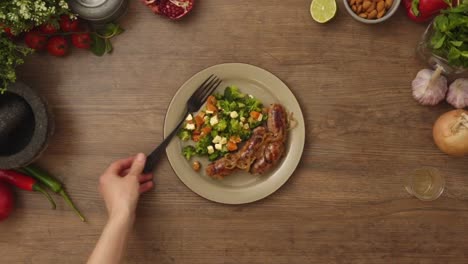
[458, 93]
[429, 87]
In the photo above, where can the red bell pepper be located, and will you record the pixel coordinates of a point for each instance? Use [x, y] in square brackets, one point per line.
[424, 10]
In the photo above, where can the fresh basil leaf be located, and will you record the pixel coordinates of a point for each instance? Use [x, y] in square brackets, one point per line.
[454, 54]
[450, 38]
[438, 44]
[435, 38]
[108, 46]
[463, 8]
[98, 47]
[119, 30]
[456, 43]
[443, 24]
[110, 29]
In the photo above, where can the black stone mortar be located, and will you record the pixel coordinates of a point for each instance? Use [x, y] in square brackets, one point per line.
[26, 125]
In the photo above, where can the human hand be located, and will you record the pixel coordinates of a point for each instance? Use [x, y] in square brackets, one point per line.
[122, 183]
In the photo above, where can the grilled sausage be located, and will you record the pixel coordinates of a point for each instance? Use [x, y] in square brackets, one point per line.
[219, 169]
[249, 151]
[270, 154]
[243, 158]
[277, 122]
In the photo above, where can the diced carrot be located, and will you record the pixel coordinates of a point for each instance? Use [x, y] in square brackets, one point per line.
[201, 114]
[199, 121]
[206, 130]
[231, 146]
[211, 107]
[211, 100]
[254, 115]
[196, 137]
[235, 139]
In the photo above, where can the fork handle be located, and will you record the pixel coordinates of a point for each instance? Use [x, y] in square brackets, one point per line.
[152, 158]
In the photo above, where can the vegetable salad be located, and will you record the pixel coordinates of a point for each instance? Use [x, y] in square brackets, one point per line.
[226, 121]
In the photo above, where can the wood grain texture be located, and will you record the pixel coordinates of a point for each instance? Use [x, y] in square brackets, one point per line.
[344, 204]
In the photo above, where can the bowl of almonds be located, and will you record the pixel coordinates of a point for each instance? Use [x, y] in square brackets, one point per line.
[371, 11]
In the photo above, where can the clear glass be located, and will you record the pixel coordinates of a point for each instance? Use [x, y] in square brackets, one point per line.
[425, 53]
[426, 184]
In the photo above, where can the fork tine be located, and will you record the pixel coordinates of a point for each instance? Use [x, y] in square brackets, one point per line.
[211, 89]
[205, 88]
[208, 88]
[201, 88]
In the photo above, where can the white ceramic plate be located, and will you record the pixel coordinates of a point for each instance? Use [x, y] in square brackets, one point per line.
[239, 187]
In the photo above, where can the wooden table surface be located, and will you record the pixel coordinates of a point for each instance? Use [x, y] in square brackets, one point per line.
[344, 204]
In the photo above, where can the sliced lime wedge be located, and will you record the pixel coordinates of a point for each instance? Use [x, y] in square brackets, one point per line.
[323, 11]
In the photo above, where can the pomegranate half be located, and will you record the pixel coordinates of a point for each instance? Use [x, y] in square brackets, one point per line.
[173, 9]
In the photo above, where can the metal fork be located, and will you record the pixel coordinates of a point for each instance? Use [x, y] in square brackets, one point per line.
[193, 104]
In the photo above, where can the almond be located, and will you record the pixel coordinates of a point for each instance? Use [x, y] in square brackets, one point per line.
[380, 6]
[354, 8]
[371, 8]
[381, 14]
[352, 2]
[366, 4]
[363, 15]
[359, 9]
[388, 4]
[372, 14]
[359, 2]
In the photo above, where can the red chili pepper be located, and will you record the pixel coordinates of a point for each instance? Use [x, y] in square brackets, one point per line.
[24, 182]
[424, 10]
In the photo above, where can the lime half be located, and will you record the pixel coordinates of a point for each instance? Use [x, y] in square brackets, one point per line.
[323, 10]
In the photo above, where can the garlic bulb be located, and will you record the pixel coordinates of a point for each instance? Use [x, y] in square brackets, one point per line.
[458, 93]
[429, 87]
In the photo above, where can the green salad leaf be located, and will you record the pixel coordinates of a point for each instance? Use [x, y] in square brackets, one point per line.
[216, 133]
[450, 38]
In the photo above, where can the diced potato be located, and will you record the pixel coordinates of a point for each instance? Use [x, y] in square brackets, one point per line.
[216, 139]
[210, 149]
[190, 127]
[234, 114]
[214, 120]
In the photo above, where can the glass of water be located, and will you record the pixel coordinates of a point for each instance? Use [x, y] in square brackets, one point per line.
[426, 184]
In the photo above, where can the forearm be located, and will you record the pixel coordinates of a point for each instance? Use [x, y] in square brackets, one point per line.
[111, 246]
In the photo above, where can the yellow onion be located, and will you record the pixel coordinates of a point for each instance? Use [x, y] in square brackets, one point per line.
[451, 132]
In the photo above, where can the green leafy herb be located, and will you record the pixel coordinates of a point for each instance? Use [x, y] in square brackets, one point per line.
[22, 15]
[101, 39]
[450, 38]
[11, 56]
[98, 46]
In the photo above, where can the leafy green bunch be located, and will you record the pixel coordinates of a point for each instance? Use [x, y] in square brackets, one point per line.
[22, 15]
[450, 38]
[101, 43]
[11, 55]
